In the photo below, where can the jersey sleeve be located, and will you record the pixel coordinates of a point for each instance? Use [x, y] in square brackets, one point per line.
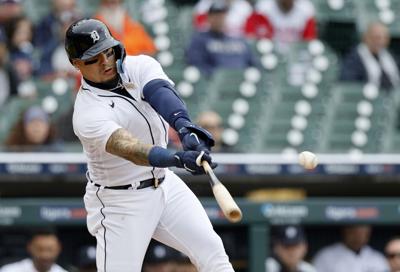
[150, 69]
[94, 128]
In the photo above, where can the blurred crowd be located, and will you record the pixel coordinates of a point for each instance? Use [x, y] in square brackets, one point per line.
[222, 32]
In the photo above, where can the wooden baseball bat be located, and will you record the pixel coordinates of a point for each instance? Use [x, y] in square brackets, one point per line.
[225, 201]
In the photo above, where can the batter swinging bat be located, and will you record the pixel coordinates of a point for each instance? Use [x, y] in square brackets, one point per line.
[228, 206]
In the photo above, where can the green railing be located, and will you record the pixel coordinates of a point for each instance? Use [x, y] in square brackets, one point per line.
[258, 217]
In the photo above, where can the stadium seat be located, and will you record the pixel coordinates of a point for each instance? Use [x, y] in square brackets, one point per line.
[35, 10]
[344, 11]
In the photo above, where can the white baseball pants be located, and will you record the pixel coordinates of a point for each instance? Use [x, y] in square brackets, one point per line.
[124, 221]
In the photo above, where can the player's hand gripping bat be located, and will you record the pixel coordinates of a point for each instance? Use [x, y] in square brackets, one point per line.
[228, 206]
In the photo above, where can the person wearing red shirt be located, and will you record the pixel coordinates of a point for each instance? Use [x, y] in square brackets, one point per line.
[284, 21]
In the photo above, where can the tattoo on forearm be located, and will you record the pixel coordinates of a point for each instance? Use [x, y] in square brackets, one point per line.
[121, 143]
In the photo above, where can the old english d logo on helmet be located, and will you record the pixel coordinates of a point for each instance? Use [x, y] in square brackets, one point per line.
[95, 36]
[86, 38]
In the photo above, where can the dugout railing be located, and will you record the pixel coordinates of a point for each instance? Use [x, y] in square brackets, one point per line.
[258, 217]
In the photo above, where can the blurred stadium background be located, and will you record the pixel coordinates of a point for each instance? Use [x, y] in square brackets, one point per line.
[293, 102]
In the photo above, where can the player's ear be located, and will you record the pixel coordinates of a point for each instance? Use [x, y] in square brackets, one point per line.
[75, 64]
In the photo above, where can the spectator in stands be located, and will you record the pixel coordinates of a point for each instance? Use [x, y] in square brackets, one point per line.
[19, 37]
[49, 39]
[289, 250]
[370, 61]
[44, 248]
[159, 258]
[10, 9]
[87, 259]
[212, 121]
[64, 127]
[63, 122]
[351, 254]
[214, 49]
[8, 78]
[284, 21]
[392, 253]
[235, 19]
[130, 32]
[33, 132]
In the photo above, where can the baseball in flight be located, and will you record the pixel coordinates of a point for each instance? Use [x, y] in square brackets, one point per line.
[308, 160]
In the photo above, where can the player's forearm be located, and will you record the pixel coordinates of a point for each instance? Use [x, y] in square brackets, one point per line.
[123, 144]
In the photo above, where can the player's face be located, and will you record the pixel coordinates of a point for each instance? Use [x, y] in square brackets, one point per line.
[100, 68]
[44, 250]
[355, 237]
[392, 252]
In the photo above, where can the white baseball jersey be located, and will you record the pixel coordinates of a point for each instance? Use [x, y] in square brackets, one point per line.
[124, 221]
[98, 113]
[26, 265]
[339, 258]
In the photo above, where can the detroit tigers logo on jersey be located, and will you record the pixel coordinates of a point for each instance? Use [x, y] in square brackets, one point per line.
[95, 36]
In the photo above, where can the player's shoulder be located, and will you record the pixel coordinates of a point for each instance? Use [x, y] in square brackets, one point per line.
[16, 266]
[372, 253]
[85, 98]
[57, 268]
[87, 110]
[90, 112]
[306, 267]
[271, 265]
[135, 66]
[139, 60]
[331, 250]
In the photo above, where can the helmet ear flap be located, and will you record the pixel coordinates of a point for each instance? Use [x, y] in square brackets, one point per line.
[120, 52]
[120, 55]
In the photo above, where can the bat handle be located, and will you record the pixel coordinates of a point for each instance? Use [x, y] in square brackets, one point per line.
[206, 166]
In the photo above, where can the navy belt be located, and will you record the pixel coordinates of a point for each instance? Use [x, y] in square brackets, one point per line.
[155, 182]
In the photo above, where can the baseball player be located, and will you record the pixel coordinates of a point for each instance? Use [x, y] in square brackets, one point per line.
[43, 248]
[121, 116]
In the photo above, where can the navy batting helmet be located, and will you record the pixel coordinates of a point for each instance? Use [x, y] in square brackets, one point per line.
[88, 37]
